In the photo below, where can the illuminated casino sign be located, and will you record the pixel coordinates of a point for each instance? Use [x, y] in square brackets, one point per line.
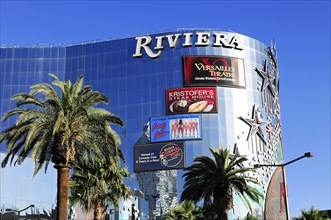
[159, 156]
[191, 100]
[176, 127]
[200, 39]
[213, 71]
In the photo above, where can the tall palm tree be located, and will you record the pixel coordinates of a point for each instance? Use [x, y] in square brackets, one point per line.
[97, 182]
[312, 214]
[54, 128]
[187, 210]
[215, 180]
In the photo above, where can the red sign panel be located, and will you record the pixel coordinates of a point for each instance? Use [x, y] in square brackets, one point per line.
[213, 71]
[191, 100]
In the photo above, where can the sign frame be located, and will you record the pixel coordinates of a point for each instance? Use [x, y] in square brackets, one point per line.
[229, 73]
[191, 100]
[159, 156]
[175, 127]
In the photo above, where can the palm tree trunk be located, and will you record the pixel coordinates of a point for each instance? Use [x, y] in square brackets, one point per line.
[62, 191]
[98, 209]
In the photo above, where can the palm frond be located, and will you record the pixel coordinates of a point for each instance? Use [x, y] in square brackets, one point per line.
[57, 82]
[213, 180]
[77, 88]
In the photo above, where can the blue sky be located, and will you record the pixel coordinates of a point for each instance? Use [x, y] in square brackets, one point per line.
[300, 28]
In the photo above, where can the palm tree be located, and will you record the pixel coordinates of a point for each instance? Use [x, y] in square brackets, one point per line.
[187, 210]
[54, 128]
[215, 180]
[97, 182]
[312, 214]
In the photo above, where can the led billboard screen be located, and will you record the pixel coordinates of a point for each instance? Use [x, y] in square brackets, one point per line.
[191, 100]
[213, 71]
[159, 156]
[176, 127]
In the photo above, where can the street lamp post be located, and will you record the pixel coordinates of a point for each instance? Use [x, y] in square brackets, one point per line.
[308, 154]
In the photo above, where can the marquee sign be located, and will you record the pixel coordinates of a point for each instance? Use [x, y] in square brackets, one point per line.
[213, 71]
[176, 127]
[201, 39]
[191, 100]
[159, 156]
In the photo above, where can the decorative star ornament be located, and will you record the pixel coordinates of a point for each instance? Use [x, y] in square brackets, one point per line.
[276, 81]
[255, 125]
[272, 53]
[235, 150]
[267, 78]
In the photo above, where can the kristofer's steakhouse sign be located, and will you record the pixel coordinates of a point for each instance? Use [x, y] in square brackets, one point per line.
[200, 39]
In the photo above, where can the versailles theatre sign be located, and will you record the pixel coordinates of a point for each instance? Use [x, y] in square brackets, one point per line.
[202, 39]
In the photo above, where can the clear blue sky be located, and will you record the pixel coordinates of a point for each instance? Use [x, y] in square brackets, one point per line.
[301, 30]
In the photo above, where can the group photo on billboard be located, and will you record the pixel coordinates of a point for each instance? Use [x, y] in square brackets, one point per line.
[191, 100]
[159, 156]
[176, 127]
[213, 71]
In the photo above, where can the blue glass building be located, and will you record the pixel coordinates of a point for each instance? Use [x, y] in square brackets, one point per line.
[135, 73]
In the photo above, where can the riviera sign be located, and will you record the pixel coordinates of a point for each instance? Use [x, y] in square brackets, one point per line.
[202, 39]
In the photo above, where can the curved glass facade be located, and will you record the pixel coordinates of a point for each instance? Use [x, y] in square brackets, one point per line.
[137, 73]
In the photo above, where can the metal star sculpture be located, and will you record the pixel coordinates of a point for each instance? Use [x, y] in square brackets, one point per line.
[272, 52]
[255, 125]
[267, 78]
[235, 150]
[276, 81]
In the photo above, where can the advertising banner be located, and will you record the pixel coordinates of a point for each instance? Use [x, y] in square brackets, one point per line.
[176, 127]
[213, 71]
[159, 156]
[191, 100]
